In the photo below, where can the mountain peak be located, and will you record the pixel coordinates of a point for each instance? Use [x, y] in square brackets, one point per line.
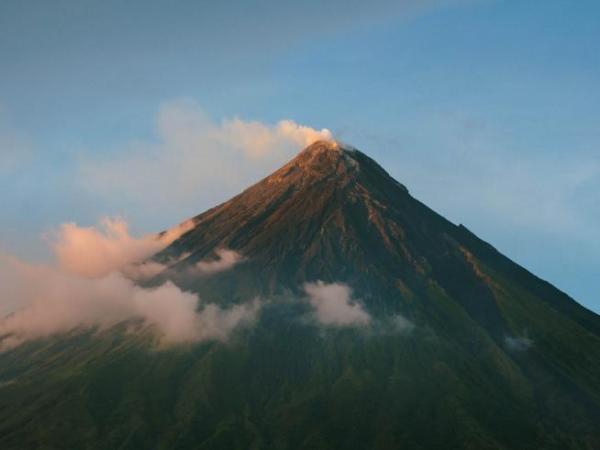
[322, 146]
[329, 197]
[320, 159]
[330, 149]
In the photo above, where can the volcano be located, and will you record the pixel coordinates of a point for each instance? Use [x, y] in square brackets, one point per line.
[441, 343]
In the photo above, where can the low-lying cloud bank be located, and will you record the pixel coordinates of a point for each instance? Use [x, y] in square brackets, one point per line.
[92, 286]
[43, 301]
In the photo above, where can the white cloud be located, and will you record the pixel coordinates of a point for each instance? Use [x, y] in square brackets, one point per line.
[334, 306]
[98, 251]
[195, 158]
[40, 301]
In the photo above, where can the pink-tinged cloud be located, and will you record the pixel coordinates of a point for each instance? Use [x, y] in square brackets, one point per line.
[97, 251]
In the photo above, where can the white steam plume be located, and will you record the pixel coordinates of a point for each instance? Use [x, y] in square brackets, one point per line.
[195, 159]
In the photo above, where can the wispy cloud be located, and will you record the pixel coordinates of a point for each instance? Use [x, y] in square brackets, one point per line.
[518, 343]
[480, 174]
[400, 324]
[333, 305]
[144, 270]
[225, 260]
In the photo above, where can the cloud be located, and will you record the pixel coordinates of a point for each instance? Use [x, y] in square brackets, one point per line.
[40, 301]
[333, 305]
[401, 324]
[518, 344]
[93, 285]
[226, 259]
[194, 158]
[98, 251]
[256, 140]
[148, 269]
[144, 270]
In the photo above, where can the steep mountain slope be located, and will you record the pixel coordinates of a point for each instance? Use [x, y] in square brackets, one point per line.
[488, 355]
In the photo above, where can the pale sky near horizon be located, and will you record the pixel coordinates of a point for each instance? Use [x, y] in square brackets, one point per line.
[487, 110]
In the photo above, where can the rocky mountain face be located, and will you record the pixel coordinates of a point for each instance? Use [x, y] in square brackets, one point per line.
[463, 348]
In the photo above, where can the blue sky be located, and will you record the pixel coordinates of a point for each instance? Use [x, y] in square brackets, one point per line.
[488, 110]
